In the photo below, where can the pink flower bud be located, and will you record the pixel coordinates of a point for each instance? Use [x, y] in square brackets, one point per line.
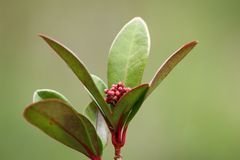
[110, 92]
[113, 89]
[115, 98]
[120, 84]
[115, 93]
[105, 91]
[114, 86]
[120, 89]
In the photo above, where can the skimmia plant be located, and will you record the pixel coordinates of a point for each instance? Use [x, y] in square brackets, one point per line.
[114, 105]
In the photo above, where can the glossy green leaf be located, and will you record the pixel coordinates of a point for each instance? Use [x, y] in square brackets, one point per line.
[128, 54]
[63, 123]
[127, 101]
[100, 84]
[93, 114]
[135, 109]
[82, 73]
[169, 64]
[43, 94]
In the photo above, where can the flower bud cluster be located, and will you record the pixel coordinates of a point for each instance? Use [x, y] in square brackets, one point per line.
[115, 93]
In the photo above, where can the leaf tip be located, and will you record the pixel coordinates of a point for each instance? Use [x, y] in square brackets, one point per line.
[48, 39]
[37, 94]
[191, 44]
[45, 38]
[138, 19]
[42, 35]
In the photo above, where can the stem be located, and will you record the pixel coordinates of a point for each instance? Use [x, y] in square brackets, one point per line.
[118, 141]
[118, 153]
[96, 158]
[118, 158]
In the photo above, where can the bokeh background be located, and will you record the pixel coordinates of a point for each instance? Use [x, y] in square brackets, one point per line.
[193, 115]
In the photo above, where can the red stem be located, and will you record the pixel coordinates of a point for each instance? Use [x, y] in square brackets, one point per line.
[96, 158]
[118, 141]
[117, 153]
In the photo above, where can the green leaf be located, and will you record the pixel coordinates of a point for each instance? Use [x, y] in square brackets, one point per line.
[43, 94]
[169, 64]
[127, 101]
[83, 75]
[93, 114]
[100, 84]
[63, 123]
[135, 109]
[128, 54]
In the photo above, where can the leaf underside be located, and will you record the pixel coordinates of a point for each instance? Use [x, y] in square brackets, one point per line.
[94, 115]
[92, 112]
[63, 123]
[43, 94]
[169, 64]
[127, 101]
[135, 109]
[162, 72]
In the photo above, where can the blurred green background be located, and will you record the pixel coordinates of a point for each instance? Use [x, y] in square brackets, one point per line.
[193, 115]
